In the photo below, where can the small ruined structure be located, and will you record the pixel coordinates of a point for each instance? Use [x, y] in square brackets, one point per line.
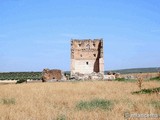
[52, 75]
[87, 56]
[109, 77]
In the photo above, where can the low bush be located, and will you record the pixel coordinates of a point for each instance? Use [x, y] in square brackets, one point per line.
[124, 80]
[21, 81]
[61, 117]
[94, 104]
[147, 91]
[7, 101]
[156, 78]
[156, 104]
[120, 79]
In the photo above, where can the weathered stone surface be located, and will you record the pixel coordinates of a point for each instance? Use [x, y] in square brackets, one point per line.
[64, 78]
[52, 75]
[96, 76]
[92, 76]
[130, 77]
[109, 77]
[117, 75]
[87, 56]
[79, 76]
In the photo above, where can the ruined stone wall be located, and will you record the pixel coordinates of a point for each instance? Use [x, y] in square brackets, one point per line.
[48, 74]
[87, 56]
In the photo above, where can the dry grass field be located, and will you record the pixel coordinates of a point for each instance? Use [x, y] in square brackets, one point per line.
[66, 100]
[143, 75]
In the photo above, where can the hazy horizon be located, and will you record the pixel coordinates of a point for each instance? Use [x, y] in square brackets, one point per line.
[36, 34]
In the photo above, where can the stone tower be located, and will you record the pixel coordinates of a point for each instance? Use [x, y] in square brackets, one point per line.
[87, 56]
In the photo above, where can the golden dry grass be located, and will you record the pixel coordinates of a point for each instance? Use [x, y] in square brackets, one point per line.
[142, 75]
[52, 101]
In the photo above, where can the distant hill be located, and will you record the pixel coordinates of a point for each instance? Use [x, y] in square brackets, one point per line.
[136, 70]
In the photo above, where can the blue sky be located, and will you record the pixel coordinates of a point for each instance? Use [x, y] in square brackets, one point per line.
[36, 34]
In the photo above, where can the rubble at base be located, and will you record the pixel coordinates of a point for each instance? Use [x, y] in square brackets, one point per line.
[56, 75]
[92, 76]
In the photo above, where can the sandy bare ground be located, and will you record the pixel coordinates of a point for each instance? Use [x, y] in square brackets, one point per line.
[14, 81]
[7, 81]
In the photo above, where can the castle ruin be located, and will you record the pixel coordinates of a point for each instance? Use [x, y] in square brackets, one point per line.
[87, 56]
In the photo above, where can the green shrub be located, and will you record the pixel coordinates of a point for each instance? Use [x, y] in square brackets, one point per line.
[120, 79]
[61, 117]
[8, 101]
[155, 78]
[147, 91]
[94, 104]
[124, 80]
[21, 81]
[156, 104]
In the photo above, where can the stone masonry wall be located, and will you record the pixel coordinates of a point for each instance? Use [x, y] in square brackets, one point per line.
[87, 56]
